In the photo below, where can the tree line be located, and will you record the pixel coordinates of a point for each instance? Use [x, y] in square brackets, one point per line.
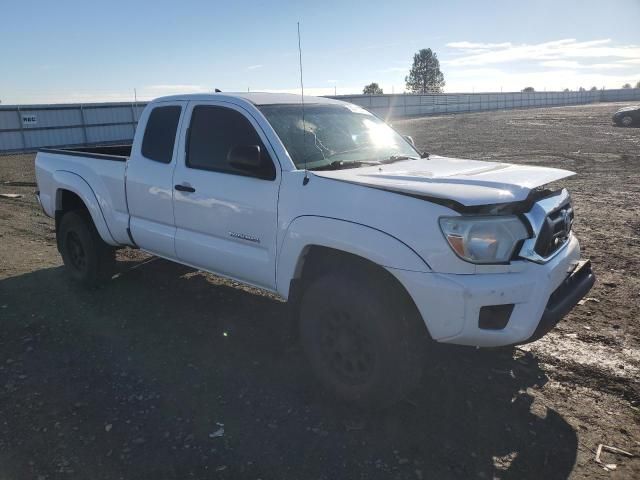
[582, 89]
[425, 76]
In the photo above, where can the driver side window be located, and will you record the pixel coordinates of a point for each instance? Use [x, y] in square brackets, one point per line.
[214, 132]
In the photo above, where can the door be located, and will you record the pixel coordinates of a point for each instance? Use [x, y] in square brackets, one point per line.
[226, 215]
[149, 180]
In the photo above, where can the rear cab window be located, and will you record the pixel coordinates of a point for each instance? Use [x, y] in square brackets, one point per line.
[160, 133]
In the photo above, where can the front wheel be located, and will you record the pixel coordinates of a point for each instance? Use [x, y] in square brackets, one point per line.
[87, 258]
[360, 339]
[626, 121]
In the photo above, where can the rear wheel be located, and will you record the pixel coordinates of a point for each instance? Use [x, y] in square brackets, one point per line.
[87, 258]
[360, 339]
[626, 121]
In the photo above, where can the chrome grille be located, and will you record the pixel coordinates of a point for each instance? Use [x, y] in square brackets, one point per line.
[551, 219]
[555, 231]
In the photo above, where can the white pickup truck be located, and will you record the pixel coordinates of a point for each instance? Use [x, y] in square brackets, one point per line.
[379, 248]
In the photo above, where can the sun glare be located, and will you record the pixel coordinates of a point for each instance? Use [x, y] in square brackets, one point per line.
[380, 134]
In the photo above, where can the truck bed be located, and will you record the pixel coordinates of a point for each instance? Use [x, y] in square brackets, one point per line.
[97, 175]
[118, 153]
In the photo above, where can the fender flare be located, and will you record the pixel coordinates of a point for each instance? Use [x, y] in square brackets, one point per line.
[73, 182]
[367, 242]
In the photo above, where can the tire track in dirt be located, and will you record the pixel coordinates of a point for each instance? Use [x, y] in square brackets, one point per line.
[611, 368]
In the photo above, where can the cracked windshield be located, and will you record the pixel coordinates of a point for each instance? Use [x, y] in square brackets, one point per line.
[335, 136]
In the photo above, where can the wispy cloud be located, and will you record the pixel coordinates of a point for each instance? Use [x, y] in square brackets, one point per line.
[169, 89]
[605, 66]
[560, 64]
[478, 45]
[144, 93]
[554, 65]
[493, 79]
[572, 64]
[394, 69]
[254, 67]
[565, 49]
[316, 91]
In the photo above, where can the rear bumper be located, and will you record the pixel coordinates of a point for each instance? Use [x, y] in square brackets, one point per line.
[541, 294]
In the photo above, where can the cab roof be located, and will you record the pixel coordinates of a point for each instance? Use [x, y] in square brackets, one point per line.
[257, 98]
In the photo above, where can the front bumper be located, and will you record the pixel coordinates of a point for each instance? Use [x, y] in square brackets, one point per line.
[541, 295]
[564, 298]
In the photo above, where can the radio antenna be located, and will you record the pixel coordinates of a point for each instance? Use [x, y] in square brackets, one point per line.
[305, 180]
[135, 102]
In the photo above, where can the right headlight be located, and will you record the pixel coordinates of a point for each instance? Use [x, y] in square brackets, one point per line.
[488, 239]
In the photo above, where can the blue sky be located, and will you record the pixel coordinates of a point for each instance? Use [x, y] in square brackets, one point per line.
[57, 51]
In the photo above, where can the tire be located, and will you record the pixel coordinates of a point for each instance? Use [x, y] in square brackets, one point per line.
[361, 340]
[626, 121]
[87, 258]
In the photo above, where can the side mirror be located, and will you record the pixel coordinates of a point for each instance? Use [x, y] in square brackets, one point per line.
[245, 157]
[409, 139]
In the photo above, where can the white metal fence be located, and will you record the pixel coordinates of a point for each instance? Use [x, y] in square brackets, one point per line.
[386, 106]
[27, 128]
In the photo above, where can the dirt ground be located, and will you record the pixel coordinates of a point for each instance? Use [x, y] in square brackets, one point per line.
[171, 373]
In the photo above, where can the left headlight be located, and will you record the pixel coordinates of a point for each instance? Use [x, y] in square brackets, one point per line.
[484, 239]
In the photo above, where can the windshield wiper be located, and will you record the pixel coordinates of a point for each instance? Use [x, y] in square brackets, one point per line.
[340, 164]
[396, 158]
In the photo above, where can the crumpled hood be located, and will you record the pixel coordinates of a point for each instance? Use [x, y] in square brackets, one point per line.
[468, 182]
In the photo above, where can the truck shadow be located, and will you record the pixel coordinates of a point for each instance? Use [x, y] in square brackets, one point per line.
[137, 378]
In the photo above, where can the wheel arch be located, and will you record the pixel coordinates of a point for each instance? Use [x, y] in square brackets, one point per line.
[315, 245]
[74, 193]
